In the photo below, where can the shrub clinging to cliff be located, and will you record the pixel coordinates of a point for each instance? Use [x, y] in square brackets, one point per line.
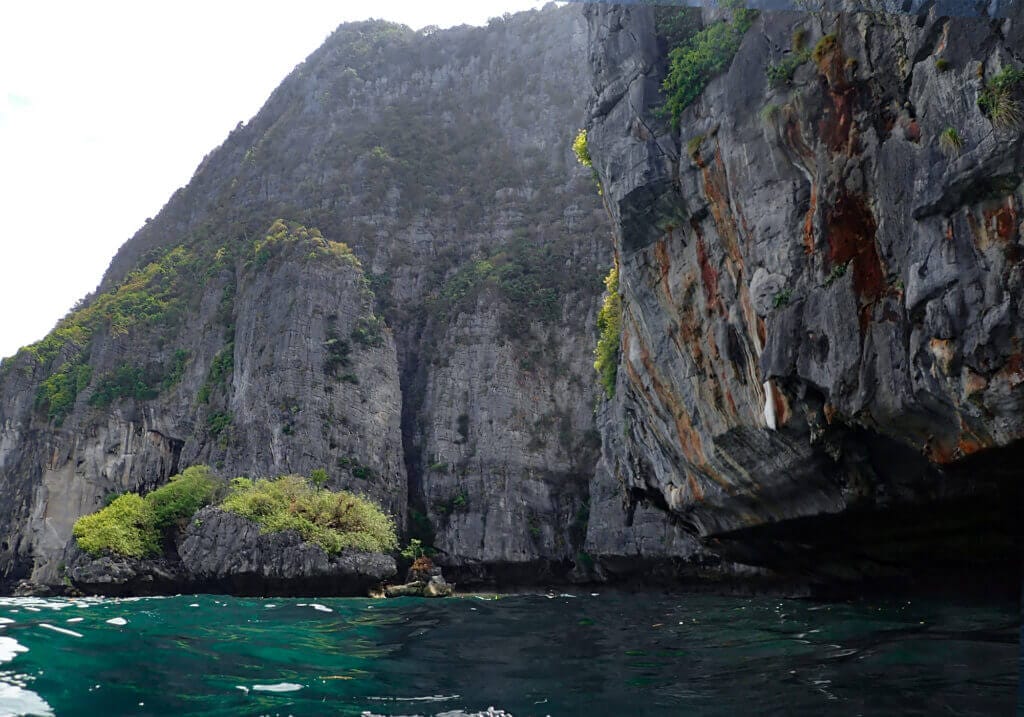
[707, 53]
[609, 326]
[1000, 99]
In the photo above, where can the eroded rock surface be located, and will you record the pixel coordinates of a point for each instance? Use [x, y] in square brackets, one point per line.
[821, 303]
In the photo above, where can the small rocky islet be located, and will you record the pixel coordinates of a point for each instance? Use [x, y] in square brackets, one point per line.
[284, 537]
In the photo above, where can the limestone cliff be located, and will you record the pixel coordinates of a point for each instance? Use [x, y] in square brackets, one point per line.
[820, 273]
[429, 344]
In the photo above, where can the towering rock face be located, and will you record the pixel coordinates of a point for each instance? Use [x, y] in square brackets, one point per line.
[821, 284]
[446, 371]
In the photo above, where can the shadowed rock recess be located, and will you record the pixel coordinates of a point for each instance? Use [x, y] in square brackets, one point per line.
[393, 271]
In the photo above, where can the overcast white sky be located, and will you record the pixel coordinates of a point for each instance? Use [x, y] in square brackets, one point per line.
[107, 107]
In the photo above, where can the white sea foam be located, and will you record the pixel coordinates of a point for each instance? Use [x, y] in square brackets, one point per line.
[321, 608]
[16, 700]
[75, 619]
[6, 621]
[60, 630]
[117, 621]
[279, 687]
[9, 649]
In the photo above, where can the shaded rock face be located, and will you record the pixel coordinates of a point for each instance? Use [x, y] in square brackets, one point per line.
[821, 305]
[221, 552]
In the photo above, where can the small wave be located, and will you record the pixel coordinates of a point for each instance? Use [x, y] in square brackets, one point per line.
[279, 687]
[119, 621]
[321, 608]
[61, 630]
[427, 698]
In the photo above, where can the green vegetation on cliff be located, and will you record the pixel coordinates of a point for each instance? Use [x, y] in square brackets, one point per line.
[702, 56]
[334, 521]
[1000, 99]
[136, 526]
[609, 326]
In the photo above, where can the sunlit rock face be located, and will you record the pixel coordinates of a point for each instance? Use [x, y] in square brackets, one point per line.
[821, 292]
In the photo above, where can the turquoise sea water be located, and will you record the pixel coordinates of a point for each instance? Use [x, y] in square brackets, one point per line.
[569, 655]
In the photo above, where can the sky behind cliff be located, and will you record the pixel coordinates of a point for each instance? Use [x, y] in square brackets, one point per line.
[106, 108]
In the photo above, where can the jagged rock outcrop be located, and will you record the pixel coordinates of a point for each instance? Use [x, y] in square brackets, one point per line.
[820, 357]
[221, 552]
[228, 551]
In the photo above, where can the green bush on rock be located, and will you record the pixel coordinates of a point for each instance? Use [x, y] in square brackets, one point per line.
[173, 504]
[125, 527]
[135, 526]
[334, 521]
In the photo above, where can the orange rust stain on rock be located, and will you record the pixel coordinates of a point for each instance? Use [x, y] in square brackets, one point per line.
[970, 442]
[1002, 222]
[717, 191]
[732, 402]
[1012, 371]
[782, 410]
[974, 383]
[913, 132]
[762, 332]
[664, 266]
[851, 232]
[830, 413]
[695, 488]
[708, 275]
[809, 221]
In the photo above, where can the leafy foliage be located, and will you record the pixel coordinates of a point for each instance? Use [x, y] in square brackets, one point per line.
[125, 382]
[581, 149]
[177, 501]
[1000, 99]
[781, 73]
[707, 53]
[318, 478]
[416, 550]
[57, 394]
[125, 527]
[221, 368]
[134, 526]
[676, 25]
[218, 422]
[838, 271]
[334, 521]
[609, 326]
[950, 141]
[283, 235]
[369, 331]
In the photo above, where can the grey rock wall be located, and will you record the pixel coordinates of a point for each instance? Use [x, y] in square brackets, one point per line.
[820, 303]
